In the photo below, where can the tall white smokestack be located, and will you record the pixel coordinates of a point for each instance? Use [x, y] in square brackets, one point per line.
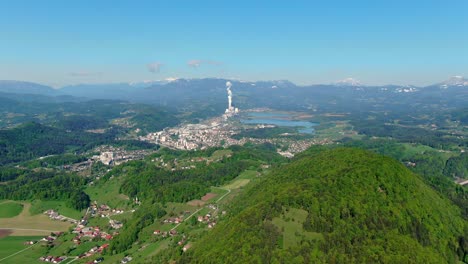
[228, 88]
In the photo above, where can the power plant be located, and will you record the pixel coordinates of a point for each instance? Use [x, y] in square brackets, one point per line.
[231, 110]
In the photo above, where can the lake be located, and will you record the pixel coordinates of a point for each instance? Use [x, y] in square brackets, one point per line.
[279, 119]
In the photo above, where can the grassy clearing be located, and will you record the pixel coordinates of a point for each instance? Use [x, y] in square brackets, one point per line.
[413, 149]
[335, 130]
[236, 184]
[218, 154]
[38, 207]
[179, 208]
[10, 209]
[219, 191]
[291, 225]
[108, 193]
[243, 179]
[248, 174]
[41, 223]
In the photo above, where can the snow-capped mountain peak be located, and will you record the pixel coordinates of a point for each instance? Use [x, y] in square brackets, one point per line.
[455, 81]
[349, 82]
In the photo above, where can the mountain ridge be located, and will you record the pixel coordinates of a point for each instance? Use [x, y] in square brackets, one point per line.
[360, 207]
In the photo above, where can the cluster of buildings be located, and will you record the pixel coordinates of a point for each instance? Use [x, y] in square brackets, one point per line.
[207, 219]
[80, 166]
[173, 220]
[90, 232]
[212, 133]
[296, 146]
[172, 232]
[115, 224]
[94, 250]
[52, 259]
[51, 238]
[103, 210]
[54, 215]
[217, 132]
[126, 260]
[110, 155]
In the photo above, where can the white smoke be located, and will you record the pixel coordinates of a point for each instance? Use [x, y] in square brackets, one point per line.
[228, 88]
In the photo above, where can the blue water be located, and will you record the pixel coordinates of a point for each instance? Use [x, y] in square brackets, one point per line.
[277, 119]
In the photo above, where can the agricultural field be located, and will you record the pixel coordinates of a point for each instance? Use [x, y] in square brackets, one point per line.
[39, 206]
[11, 245]
[335, 130]
[25, 223]
[10, 209]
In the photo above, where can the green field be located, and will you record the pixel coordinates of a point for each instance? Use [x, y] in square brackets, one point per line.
[38, 207]
[243, 179]
[335, 130]
[109, 193]
[291, 225]
[12, 244]
[26, 224]
[220, 154]
[10, 209]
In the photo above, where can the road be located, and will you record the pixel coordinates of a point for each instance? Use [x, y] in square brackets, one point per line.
[220, 198]
[186, 219]
[14, 254]
[224, 195]
[463, 183]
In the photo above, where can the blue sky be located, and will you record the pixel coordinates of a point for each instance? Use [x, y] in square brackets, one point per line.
[307, 42]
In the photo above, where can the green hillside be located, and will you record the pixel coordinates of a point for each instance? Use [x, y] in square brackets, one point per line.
[337, 206]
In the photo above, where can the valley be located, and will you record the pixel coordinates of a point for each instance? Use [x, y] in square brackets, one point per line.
[125, 182]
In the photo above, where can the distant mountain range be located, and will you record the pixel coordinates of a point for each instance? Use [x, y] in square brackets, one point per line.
[21, 87]
[454, 81]
[211, 93]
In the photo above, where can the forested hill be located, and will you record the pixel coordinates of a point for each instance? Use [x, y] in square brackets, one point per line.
[337, 206]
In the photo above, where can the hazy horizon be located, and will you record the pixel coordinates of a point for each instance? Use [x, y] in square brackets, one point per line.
[58, 44]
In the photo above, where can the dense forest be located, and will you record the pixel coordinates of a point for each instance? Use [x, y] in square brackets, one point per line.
[45, 185]
[437, 170]
[33, 140]
[435, 139]
[357, 207]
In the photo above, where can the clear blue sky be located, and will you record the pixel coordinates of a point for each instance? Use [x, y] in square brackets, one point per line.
[66, 42]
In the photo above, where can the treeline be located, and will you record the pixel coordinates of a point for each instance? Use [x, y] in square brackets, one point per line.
[151, 119]
[270, 132]
[145, 180]
[33, 140]
[46, 185]
[457, 166]
[10, 173]
[144, 216]
[54, 161]
[435, 139]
